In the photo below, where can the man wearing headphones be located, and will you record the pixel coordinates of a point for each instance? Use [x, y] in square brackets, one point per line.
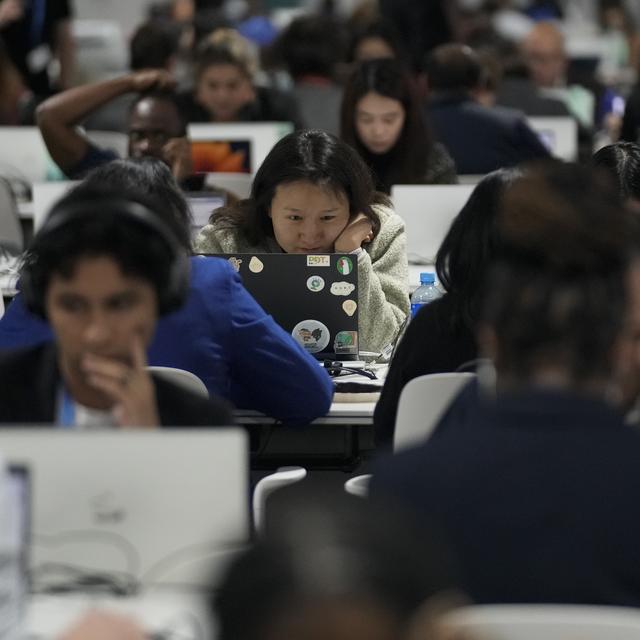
[101, 281]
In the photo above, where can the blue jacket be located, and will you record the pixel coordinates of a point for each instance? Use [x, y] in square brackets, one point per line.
[537, 494]
[225, 338]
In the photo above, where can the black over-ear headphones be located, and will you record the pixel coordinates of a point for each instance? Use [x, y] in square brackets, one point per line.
[33, 281]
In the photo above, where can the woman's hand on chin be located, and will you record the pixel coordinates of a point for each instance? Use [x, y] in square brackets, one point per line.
[358, 232]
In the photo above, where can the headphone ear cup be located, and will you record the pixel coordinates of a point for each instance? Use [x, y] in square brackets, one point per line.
[32, 296]
[178, 287]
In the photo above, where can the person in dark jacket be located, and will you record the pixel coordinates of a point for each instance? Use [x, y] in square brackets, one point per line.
[101, 281]
[535, 489]
[480, 139]
[442, 335]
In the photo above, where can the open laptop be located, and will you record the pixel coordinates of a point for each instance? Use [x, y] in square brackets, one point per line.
[558, 133]
[312, 297]
[14, 546]
[428, 211]
[202, 205]
[133, 508]
[236, 147]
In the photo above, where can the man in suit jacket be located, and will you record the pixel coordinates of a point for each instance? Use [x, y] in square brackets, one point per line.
[480, 139]
[100, 270]
[535, 483]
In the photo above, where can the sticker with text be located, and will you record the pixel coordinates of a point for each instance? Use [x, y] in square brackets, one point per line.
[342, 288]
[312, 335]
[318, 261]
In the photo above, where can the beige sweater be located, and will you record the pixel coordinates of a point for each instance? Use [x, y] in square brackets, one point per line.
[383, 299]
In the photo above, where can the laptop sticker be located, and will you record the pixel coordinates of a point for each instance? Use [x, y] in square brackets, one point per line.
[235, 263]
[342, 288]
[315, 284]
[255, 265]
[312, 335]
[344, 266]
[318, 261]
[346, 343]
[349, 307]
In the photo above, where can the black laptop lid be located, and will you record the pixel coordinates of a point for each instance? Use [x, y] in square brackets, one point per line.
[312, 297]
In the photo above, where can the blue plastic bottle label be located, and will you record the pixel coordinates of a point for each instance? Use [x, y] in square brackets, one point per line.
[415, 307]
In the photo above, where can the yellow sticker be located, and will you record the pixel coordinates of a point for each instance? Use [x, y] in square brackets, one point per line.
[255, 265]
[318, 261]
[349, 307]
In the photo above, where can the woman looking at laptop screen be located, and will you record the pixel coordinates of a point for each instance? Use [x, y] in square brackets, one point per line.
[313, 194]
[384, 120]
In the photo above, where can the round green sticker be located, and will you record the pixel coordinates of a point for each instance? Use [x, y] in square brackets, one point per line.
[345, 266]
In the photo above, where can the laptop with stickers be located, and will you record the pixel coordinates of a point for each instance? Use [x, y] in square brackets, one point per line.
[312, 297]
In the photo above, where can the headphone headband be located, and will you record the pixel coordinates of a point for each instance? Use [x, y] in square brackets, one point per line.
[129, 211]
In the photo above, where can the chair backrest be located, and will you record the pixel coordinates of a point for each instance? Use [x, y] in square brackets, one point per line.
[23, 154]
[45, 195]
[428, 211]
[11, 238]
[266, 486]
[470, 178]
[551, 622]
[559, 134]
[182, 378]
[422, 403]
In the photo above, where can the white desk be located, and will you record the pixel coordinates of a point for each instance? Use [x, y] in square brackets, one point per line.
[180, 613]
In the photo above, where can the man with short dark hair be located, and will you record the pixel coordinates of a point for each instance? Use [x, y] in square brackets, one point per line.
[101, 270]
[156, 126]
[480, 139]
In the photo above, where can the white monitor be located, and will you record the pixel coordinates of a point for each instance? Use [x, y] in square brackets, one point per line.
[238, 147]
[428, 211]
[45, 195]
[167, 507]
[23, 154]
[558, 133]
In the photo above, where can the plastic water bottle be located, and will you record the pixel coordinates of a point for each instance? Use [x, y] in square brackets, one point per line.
[427, 292]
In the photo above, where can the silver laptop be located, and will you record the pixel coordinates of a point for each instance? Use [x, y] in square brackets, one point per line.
[428, 211]
[133, 508]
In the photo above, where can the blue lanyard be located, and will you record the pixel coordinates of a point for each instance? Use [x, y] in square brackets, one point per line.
[38, 11]
[66, 410]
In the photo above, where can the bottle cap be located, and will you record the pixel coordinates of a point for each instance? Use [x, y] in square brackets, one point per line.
[427, 278]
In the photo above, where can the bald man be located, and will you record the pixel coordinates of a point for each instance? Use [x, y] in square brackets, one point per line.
[546, 58]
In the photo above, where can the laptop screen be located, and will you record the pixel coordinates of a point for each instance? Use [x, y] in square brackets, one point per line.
[14, 546]
[312, 297]
[202, 205]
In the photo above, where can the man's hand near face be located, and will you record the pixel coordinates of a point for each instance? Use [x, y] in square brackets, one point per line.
[177, 154]
[129, 385]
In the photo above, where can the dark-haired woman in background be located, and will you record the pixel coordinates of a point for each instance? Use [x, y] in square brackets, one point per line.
[383, 119]
[622, 162]
[313, 194]
[441, 336]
